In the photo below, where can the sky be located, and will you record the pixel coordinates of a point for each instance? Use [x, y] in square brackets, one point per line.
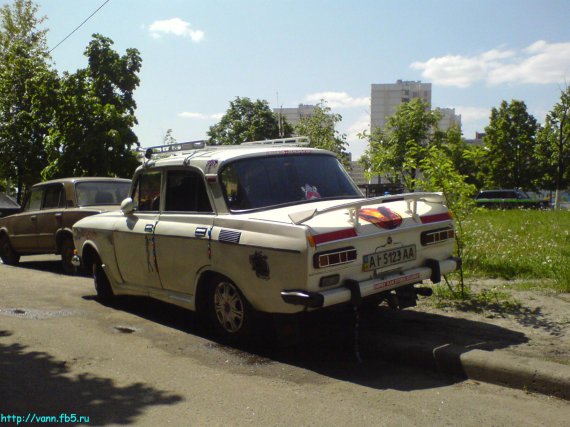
[197, 56]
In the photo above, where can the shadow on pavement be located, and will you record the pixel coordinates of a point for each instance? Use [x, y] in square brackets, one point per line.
[37, 383]
[326, 342]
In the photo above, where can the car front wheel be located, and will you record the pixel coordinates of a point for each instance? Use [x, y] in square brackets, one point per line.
[7, 253]
[102, 285]
[230, 312]
[67, 248]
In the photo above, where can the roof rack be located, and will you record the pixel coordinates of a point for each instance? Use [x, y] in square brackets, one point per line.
[159, 151]
[296, 141]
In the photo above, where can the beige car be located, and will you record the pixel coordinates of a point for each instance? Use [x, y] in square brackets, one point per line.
[43, 226]
[271, 226]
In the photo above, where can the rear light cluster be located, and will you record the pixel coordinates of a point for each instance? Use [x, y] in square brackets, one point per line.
[437, 236]
[334, 257]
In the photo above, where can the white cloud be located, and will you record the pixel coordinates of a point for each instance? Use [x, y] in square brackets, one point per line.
[176, 27]
[200, 116]
[473, 114]
[539, 63]
[338, 99]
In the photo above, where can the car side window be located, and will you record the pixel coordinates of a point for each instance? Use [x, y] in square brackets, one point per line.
[54, 197]
[186, 192]
[34, 201]
[146, 196]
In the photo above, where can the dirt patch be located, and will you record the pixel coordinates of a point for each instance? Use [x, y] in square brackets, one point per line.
[543, 317]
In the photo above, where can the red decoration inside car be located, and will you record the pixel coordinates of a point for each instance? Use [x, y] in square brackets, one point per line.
[381, 217]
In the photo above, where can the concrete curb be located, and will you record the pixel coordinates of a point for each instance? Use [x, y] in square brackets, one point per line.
[496, 367]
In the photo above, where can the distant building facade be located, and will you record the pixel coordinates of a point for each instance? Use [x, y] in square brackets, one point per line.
[449, 118]
[385, 99]
[295, 114]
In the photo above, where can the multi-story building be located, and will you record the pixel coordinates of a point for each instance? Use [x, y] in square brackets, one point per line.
[385, 98]
[449, 118]
[295, 114]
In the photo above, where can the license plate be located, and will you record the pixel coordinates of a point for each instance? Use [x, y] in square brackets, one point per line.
[388, 257]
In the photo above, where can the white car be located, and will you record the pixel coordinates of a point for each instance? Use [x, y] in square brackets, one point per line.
[270, 226]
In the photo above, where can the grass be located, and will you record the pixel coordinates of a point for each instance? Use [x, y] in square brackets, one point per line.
[529, 245]
[530, 248]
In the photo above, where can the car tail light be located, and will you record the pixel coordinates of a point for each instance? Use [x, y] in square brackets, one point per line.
[437, 236]
[317, 239]
[334, 257]
[426, 219]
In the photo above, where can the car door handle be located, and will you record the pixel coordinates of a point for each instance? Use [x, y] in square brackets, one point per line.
[149, 228]
[34, 218]
[58, 215]
[200, 232]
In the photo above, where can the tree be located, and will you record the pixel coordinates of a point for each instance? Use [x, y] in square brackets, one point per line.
[168, 138]
[92, 130]
[554, 146]
[440, 174]
[395, 151]
[27, 84]
[319, 127]
[510, 140]
[247, 120]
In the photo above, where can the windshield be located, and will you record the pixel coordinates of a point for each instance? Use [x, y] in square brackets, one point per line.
[278, 180]
[101, 192]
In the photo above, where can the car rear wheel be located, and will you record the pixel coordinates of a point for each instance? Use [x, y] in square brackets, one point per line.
[101, 281]
[230, 312]
[67, 248]
[8, 255]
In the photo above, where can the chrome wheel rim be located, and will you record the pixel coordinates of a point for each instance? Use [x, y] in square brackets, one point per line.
[229, 307]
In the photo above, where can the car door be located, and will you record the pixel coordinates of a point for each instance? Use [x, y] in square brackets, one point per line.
[24, 226]
[50, 216]
[183, 230]
[133, 235]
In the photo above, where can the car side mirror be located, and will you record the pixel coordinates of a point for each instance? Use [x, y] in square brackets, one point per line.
[127, 206]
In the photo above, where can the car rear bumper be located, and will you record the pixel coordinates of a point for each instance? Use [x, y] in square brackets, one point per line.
[353, 291]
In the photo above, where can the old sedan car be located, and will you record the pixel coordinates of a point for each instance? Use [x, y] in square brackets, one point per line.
[43, 225]
[271, 226]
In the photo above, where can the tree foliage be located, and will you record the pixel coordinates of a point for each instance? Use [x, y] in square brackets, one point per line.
[554, 146]
[320, 128]
[92, 129]
[247, 120]
[27, 84]
[412, 127]
[510, 141]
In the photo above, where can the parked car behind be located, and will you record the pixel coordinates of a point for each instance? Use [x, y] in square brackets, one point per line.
[509, 199]
[43, 225]
[270, 227]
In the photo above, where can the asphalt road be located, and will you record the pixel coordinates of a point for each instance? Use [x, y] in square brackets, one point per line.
[142, 362]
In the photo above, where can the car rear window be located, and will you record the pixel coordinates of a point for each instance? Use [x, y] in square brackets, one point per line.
[255, 183]
[93, 193]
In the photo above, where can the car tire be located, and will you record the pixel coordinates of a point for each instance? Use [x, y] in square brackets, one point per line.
[102, 285]
[8, 255]
[229, 311]
[67, 248]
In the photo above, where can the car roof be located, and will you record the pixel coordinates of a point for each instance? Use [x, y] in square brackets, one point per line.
[210, 158]
[73, 180]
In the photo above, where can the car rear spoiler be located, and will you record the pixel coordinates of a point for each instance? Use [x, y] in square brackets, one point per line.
[411, 199]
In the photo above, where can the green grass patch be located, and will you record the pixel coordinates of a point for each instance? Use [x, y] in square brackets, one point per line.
[487, 300]
[533, 245]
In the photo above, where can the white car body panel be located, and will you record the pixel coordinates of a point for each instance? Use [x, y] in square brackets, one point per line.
[266, 252]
